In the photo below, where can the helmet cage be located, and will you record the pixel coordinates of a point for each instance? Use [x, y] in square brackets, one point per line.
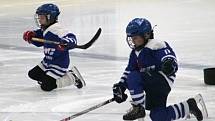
[146, 36]
[130, 42]
[48, 20]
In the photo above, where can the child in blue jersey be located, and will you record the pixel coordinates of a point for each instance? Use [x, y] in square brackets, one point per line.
[149, 76]
[53, 71]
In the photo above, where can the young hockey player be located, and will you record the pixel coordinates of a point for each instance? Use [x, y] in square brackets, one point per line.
[53, 71]
[149, 77]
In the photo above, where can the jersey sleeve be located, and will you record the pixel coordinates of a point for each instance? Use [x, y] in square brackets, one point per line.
[39, 34]
[70, 40]
[165, 53]
[132, 65]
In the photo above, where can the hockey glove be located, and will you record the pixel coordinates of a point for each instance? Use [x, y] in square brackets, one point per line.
[28, 35]
[119, 93]
[169, 66]
[61, 47]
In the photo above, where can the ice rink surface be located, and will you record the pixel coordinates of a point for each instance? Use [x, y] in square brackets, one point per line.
[188, 25]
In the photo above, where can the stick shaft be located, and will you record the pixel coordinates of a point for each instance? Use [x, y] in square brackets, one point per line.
[45, 41]
[85, 46]
[88, 110]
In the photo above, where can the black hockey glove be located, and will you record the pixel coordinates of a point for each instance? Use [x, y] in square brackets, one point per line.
[119, 92]
[169, 66]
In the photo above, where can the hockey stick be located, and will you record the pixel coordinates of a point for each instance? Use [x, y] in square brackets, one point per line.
[88, 110]
[85, 46]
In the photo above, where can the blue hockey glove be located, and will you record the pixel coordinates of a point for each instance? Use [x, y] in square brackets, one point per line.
[119, 93]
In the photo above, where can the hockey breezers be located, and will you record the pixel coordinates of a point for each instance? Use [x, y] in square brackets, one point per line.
[88, 110]
[85, 46]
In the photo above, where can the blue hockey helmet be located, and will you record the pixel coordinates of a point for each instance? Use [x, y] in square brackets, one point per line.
[139, 27]
[50, 10]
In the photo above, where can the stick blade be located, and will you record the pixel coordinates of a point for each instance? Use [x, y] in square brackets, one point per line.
[95, 37]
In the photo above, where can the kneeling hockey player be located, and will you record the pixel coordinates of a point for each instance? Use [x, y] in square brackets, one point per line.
[53, 71]
[149, 76]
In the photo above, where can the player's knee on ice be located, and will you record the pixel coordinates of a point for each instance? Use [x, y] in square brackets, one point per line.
[48, 85]
[31, 74]
[36, 73]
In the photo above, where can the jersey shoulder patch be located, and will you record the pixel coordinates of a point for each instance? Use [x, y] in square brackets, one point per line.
[155, 44]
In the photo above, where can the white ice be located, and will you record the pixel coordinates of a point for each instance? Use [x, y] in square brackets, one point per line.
[188, 25]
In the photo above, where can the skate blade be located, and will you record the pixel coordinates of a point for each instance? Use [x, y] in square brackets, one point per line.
[199, 99]
[75, 70]
[140, 119]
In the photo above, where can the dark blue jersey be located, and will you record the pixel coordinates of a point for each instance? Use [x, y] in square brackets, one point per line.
[149, 60]
[56, 61]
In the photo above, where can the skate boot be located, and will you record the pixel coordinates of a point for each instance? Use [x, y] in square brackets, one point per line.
[79, 81]
[136, 112]
[72, 77]
[194, 109]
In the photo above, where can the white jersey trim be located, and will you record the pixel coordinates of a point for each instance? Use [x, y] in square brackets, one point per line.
[53, 75]
[55, 66]
[56, 29]
[51, 69]
[155, 44]
[138, 95]
[168, 56]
